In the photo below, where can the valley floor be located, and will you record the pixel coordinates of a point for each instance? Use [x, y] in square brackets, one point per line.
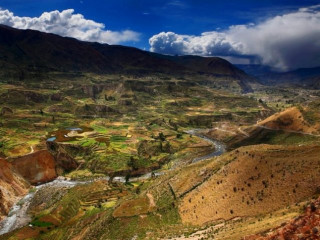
[133, 163]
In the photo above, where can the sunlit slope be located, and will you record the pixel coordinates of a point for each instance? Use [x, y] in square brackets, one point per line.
[291, 119]
[260, 179]
[293, 126]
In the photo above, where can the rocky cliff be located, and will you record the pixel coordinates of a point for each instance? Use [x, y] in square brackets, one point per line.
[12, 187]
[38, 167]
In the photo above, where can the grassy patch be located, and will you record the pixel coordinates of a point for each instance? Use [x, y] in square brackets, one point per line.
[38, 223]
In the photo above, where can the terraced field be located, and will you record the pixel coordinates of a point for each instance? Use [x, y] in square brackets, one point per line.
[103, 131]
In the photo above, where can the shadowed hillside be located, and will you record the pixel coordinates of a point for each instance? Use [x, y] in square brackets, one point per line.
[31, 54]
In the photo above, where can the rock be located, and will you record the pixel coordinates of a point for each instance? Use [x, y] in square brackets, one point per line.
[306, 226]
[38, 167]
[63, 155]
[12, 187]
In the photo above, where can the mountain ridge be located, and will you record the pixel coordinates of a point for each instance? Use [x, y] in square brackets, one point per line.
[26, 51]
[306, 77]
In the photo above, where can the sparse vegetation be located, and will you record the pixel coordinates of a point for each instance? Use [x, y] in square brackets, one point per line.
[129, 125]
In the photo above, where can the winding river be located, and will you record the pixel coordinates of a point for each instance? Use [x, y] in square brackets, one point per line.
[18, 216]
[219, 147]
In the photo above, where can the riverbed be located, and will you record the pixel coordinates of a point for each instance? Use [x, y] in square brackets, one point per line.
[18, 216]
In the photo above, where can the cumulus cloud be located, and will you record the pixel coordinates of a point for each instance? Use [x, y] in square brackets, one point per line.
[285, 42]
[68, 24]
[209, 43]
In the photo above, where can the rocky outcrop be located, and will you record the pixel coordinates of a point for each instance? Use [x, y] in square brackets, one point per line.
[12, 187]
[38, 167]
[63, 155]
[306, 226]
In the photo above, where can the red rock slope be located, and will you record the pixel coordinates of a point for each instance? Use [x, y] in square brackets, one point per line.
[307, 226]
[38, 167]
[12, 187]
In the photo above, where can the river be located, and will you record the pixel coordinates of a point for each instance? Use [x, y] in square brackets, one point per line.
[219, 147]
[18, 216]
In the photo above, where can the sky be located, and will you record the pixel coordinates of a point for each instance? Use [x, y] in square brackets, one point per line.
[283, 34]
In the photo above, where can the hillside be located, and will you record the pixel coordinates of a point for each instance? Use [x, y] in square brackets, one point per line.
[120, 143]
[276, 179]
[305, 77]
[108, 129]
[12, 187]
[305, 226]
[28, 53]
[291, 119]
[291, 126]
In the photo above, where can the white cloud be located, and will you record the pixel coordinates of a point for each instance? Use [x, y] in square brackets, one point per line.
[285, 42]
[68, 24]
[209, 43]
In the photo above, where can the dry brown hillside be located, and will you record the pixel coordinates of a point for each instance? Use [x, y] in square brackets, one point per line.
[306, 226]
[291, 119]
[259, 179]
[291, 126]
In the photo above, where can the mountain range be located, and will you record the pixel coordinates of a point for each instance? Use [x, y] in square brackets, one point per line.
[29, 51]
[26, 52]
[306, 77]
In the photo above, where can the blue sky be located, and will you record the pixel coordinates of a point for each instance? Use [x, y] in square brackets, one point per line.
[199, 27]
[150, 17]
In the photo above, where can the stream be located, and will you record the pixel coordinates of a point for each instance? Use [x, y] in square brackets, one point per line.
[219, 147]
[18, 216]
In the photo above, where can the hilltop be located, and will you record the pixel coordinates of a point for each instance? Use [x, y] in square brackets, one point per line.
[294, 125]
[291, 119]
